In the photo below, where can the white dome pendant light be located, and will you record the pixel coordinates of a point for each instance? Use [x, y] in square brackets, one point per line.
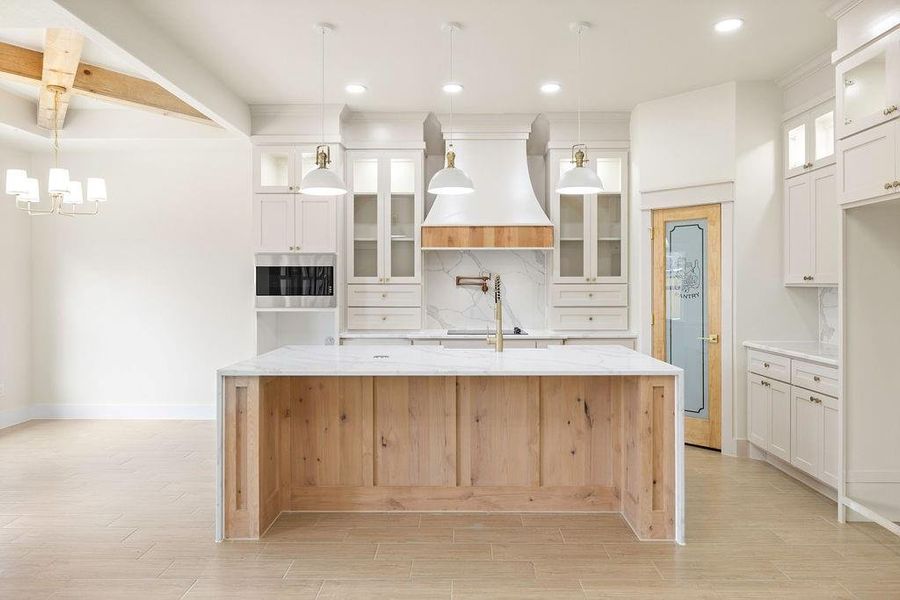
[322, 181]
[450, 180]
[579, 179]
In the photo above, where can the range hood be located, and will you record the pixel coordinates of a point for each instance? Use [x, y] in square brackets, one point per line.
[503, 212]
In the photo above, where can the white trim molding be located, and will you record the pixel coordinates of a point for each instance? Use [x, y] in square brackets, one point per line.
[808, 68]
[173, 412]
[716, 192]
[15, 416]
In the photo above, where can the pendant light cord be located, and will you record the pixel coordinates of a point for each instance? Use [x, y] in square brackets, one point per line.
[56, 128]
[323, 85]
[578, 79]
[451, 81]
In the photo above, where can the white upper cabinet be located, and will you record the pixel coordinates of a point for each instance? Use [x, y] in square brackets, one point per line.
[591, 229]
[868, 86]
[809, 140]
[384, 216]
[811, 224]
[295, 223]
[284, 220]
[869, 164]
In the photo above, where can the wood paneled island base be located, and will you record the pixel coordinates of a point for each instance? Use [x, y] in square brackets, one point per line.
[449, 443]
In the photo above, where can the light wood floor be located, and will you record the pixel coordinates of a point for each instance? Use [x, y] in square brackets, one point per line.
[103, 509]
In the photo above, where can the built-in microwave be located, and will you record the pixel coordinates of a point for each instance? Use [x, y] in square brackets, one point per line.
[295, 281]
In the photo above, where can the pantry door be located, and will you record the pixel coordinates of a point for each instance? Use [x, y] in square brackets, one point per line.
[687, 270]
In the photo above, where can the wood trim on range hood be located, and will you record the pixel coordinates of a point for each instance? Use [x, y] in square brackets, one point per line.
[486, 236]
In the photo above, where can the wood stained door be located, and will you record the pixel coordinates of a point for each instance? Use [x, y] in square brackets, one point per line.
[687, 312]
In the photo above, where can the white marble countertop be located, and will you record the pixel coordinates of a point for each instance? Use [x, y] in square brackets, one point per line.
[826, 354]
[439, 360]
[531, 334]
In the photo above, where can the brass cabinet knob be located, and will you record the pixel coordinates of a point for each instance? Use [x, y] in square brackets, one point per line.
[816, 400]
[590, 318]
[590, 295]
[384, 318]
[816, 378]
[384, 295]
[889, 110]
[896, 184]
[889, 185]
[766, 365]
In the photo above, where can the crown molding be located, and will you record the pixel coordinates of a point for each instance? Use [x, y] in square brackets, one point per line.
[588, 117]
[806, 69]
[417, 117]
[838, 9]
[297, 110]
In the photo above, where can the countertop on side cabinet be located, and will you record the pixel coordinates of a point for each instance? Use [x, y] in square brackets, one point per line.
[439, 360]
[531, 334]
[826, 354]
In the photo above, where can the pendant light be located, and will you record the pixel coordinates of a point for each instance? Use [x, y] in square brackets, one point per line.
[579, 179]
[322, 181]
[450, 180]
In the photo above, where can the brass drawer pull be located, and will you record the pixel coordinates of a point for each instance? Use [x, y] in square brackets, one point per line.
[766, 365]
[816, 400]
[816, 378]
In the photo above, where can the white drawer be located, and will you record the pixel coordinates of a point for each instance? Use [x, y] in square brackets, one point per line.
[375, 342]
[818, 378]
[384, 295]
[589, 318]
[384, 318]
[589, 295]
[627, 342]
[483, 343]
[769, 365]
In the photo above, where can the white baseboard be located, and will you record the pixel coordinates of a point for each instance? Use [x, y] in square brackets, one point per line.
[186, 412]
[14, 416]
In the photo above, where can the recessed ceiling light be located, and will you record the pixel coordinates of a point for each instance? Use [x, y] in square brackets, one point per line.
[729, 25]
[452, 87]
[551, 87]
[355, 88]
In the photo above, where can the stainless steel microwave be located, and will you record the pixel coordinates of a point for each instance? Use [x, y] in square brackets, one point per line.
[295, 281]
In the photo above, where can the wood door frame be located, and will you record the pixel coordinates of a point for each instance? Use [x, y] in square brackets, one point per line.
[704, 433]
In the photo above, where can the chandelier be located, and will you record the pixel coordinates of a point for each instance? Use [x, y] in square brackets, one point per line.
[66, 196]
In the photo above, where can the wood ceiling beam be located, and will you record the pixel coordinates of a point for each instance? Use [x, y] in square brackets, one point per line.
[26, 66]
[62, 53]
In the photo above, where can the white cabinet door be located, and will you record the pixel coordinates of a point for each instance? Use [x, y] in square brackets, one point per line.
[274, 222]
[798, 230]
[867, 164]
[796, 145]
[868, 90]
[780, 420]
[827, 224]
[758, 404]
[821, 135]
[806, 431]
[315, 224]
[830, 470]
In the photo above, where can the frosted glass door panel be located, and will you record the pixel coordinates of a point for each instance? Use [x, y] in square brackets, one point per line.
[365, 176]
[686, 322]
[610, 172]
[403, 218]
[865, 90]
[275, 169]
[571, 236]
[796, 149]
[823, 130]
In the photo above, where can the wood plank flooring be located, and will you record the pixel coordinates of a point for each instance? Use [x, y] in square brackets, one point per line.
[124, 509]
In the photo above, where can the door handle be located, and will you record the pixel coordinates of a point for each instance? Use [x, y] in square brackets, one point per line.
[712, 339]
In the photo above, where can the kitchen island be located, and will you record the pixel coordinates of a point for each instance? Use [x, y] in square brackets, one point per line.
[428, 428]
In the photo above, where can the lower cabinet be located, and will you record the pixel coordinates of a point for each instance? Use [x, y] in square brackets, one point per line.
[769, 405]
[799, 425]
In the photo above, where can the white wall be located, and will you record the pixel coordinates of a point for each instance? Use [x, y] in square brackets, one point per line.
[137, 307]
[15, 297]
[686, 140]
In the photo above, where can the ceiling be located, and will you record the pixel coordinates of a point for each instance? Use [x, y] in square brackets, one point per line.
[267, 51]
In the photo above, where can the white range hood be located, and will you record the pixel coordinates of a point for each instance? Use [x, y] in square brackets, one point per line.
[503, 212]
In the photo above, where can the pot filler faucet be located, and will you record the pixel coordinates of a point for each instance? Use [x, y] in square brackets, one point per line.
[497, 338]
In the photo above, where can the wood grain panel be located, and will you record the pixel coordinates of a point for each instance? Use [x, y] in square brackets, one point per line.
[275, 448]
[487, 498]
[331, 431]
[502, 430]
[241, 440]
[576, 427]
[648, 501]
[521, 236]
[415, 431]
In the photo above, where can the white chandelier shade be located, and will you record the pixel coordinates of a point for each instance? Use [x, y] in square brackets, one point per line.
[32, 191]
[96, 189]
[16, 182]
[58, 181]
[75, 195]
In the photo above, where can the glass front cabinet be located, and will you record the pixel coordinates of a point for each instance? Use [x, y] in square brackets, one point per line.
[868, 86]
[591, 230]
[384, 215]
[809, 140]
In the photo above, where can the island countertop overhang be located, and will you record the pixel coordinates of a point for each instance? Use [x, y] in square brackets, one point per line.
[414, 360]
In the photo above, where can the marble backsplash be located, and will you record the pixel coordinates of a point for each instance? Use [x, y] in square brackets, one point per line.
[523, 274]
[828, 315]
